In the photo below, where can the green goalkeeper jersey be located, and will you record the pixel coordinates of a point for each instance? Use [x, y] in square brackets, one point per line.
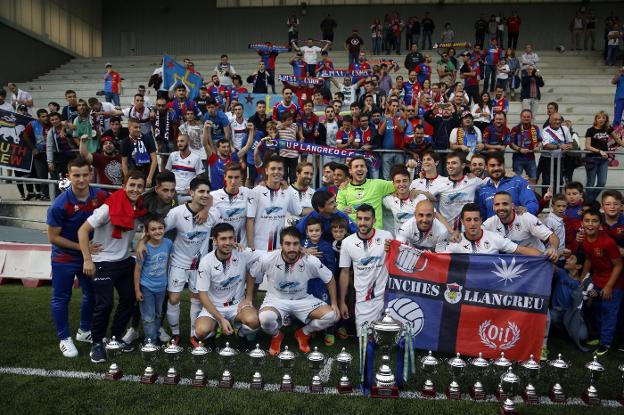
[372, 192]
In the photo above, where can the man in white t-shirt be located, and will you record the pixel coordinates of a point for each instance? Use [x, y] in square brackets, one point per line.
[238, 125]
[225, 71]
[268, 206]
[348, 89]
[288, 271]
[137, 111]
[476, 240]
[226, 290]
[301, 191]
[523, 229]
[185, 165]
[112, 267]
[557, 139]
[21, 97]
[310, 54]
[424, 231]
[365, 252]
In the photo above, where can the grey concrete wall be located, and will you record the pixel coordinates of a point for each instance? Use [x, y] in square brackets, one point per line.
[26, 58]
[202, 28]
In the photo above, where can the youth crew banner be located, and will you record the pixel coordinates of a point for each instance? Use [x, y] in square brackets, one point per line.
[470, 303]
[14, 153]
[328, 151]
[249, 102]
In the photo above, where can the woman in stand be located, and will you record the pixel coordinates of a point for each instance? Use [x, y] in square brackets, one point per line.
[597, 162]
[482, 111]
[514, 70]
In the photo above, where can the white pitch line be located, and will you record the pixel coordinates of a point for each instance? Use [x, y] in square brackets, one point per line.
[272, 387]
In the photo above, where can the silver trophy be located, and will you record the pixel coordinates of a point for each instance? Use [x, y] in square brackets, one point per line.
[257, 358]
[621, 370]
[287, 362]
[456, 367]
[113, 348]
[149, 352]
[509, 382]
[172, 354]
[500, 366]
[558, 370]
[200, 355]
[479, 366]
[594, 372]
[344, 360]
[429, 366]
[316, 360]
[386, 332]
[227, 355]
[531, 369]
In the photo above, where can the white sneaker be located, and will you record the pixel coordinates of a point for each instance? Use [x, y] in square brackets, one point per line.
[163, 336]
[84, 336]
[68, 348]
[130, 336]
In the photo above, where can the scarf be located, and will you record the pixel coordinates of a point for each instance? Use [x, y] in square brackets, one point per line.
[97, 121]
[162, 134]
[468, 139]
[122, 213]
[533, 137]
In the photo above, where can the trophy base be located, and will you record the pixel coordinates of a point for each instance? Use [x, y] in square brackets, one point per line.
[530, 399]
[453, 395]
[590, 400]
[345, 389]
[113, 375]
[256, 385]
[149, 379]
[477, 395]
[287, 387]
[557, 397]
[500, 395]
[226, 383]
[199, 382]
[172, 380]
[621, 400]
[391, 392]
[317, 388]
[428, 393]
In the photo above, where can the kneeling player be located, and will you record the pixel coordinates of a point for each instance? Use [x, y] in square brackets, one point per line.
[225, 289]
[288, 272]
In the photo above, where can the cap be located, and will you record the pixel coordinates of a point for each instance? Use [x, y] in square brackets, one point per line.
[466, 114]
[466, 53]
[22, 107]
[106, 138]
[108, 64]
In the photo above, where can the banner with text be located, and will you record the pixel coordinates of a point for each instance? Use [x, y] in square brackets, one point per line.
[14, 153]
[321, 150]
[470, 303]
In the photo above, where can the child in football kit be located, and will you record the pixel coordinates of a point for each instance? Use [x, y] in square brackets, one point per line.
[150, 277]
[339, 231]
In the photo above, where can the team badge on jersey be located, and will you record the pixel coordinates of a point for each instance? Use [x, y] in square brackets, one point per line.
[453, 293]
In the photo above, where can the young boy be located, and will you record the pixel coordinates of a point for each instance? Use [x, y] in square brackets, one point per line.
[322, 249]
[567, 296]
[339, 231]
[150, 276]
[554, 220]
[572, 215]
[605, 262]
[345, 136]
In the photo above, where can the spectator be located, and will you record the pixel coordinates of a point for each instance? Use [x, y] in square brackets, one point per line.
[139, 112]
[293, 29]
[448, 34]
[52, 106]
[513, 30]
[502, 74]
[82, 126]
[4, 104]
[466, 138]
[269, 58]
[500, 29]
[285, 105]
[442, 127]
[180, 104]
[413, 59]
[35, 136]
[428, 26]
[21, 97]
[618, 101]
[185, 165]
[218, 122]
[310, 54]
[59, 147]
[590, 31]
[499, 102]
[469, 72]
[107, 163]
[99, 120]
[70, 111]
[492, 27]
[116, 131]
[287, 130]
[492, 55]
[577, 26]
[225, 71]
[396, 27]
[530, 94]
[353, 45]
[165, 127]
[328, 25]
[299, 66]
[481, 29]
[259, 118]
[446, 70]
[613, 44]
[412, 32]
[597, 162]
[557, 139]
[193, 129]
[514, 71]
[529, 57]
[138, 152]
[482, 111]
[392, 129]
[112, 85]
[496, 136]
[377, 37]
[260, 80]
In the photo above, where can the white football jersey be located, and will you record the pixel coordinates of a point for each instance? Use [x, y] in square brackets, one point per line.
[184, 169]
[231, 209]
[269, 208]
[402, 210]
[525, 230]
[305, 201]
[289, 281]
[427, 185]
[488, 243]
[453, 195]
[435, 239]
[188, 245]
[239, 131]
[368, 259]
[225, 281]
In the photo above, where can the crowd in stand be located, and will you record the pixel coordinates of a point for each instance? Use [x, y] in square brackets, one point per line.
[229, 206]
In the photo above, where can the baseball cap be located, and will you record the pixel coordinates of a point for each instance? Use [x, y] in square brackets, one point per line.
[466, 114]
[108, 64]
[22, 107]
[106, 138]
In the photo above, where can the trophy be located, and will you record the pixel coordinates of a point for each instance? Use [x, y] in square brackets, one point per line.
[509, 383]
[479, 366]
[344, 360]
[287, 362]
[257, 357]
[113, 347]
[315, 360]
[386, 334]
[621, 369]
[200, 354]
[226, 355]
[594, 371]
[149, 352]
[456, 367]
[559, 368]
[172, 355]
[430, 367]
[500, 367]
[531, 369]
